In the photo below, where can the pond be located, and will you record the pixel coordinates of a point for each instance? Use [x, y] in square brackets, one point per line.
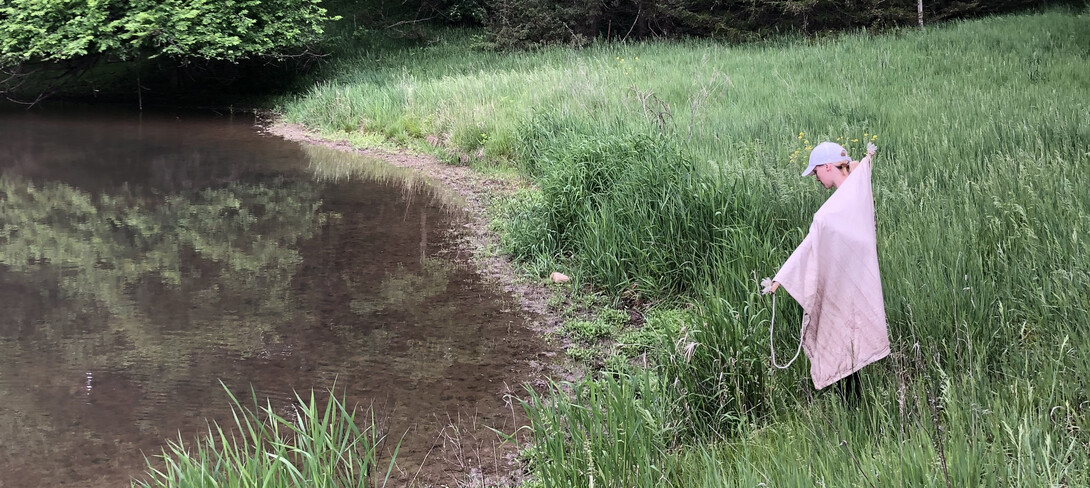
[146, 258]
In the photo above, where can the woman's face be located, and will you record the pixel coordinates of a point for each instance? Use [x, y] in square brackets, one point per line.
[825, 175]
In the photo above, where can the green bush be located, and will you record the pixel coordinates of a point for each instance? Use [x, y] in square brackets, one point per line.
[596, 198]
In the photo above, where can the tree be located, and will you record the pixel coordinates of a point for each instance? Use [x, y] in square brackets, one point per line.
[83, 32]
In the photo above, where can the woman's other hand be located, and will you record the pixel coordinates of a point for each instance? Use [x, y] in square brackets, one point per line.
[769, 286]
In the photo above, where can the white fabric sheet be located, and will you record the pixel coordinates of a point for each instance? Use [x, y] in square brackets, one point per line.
[834, 276]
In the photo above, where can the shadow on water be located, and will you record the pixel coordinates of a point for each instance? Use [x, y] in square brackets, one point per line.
[145, 258]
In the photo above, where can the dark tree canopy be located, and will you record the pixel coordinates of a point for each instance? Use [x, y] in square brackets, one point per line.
[533, 22]
[57, 30]
[528, 23]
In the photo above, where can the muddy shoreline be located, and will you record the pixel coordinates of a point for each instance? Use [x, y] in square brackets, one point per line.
[474, 242]
[476, 189]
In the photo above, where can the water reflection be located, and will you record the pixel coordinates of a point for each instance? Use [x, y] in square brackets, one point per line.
[143, 261]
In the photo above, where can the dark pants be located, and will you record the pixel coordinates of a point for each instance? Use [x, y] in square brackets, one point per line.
[850, 388]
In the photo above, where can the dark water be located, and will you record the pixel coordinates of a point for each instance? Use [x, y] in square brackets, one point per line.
[146, 258]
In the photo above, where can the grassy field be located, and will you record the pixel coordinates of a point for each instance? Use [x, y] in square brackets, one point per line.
[666, 174]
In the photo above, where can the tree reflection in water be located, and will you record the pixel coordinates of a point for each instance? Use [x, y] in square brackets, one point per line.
[124, 303]
[164, 277]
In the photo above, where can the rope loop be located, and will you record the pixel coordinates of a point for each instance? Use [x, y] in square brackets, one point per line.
[772, 328]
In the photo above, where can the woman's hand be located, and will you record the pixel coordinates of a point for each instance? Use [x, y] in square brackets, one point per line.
[871, 149]
[769, 286]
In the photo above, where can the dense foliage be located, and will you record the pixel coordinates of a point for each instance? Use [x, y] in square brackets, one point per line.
[535, 23]
[80, 47]
[525, 23]
[54, 30]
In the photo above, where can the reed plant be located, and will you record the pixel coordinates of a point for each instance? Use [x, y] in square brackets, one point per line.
[608, 433]
[670, 170]
[315, 444]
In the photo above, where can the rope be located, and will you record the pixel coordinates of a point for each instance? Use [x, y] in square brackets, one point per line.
[771, 345]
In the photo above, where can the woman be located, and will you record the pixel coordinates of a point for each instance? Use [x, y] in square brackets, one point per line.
[833, 274]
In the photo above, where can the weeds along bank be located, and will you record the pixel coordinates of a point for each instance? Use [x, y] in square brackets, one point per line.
[319, 445]
[665, 175]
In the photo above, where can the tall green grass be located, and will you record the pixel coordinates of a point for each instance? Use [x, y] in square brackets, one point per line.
[635, 213]
[607, 433]
[951, 430]
[314, 445]
[957, 434]
[665, 169]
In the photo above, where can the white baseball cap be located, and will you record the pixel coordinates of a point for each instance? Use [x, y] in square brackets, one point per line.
[826, 153]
